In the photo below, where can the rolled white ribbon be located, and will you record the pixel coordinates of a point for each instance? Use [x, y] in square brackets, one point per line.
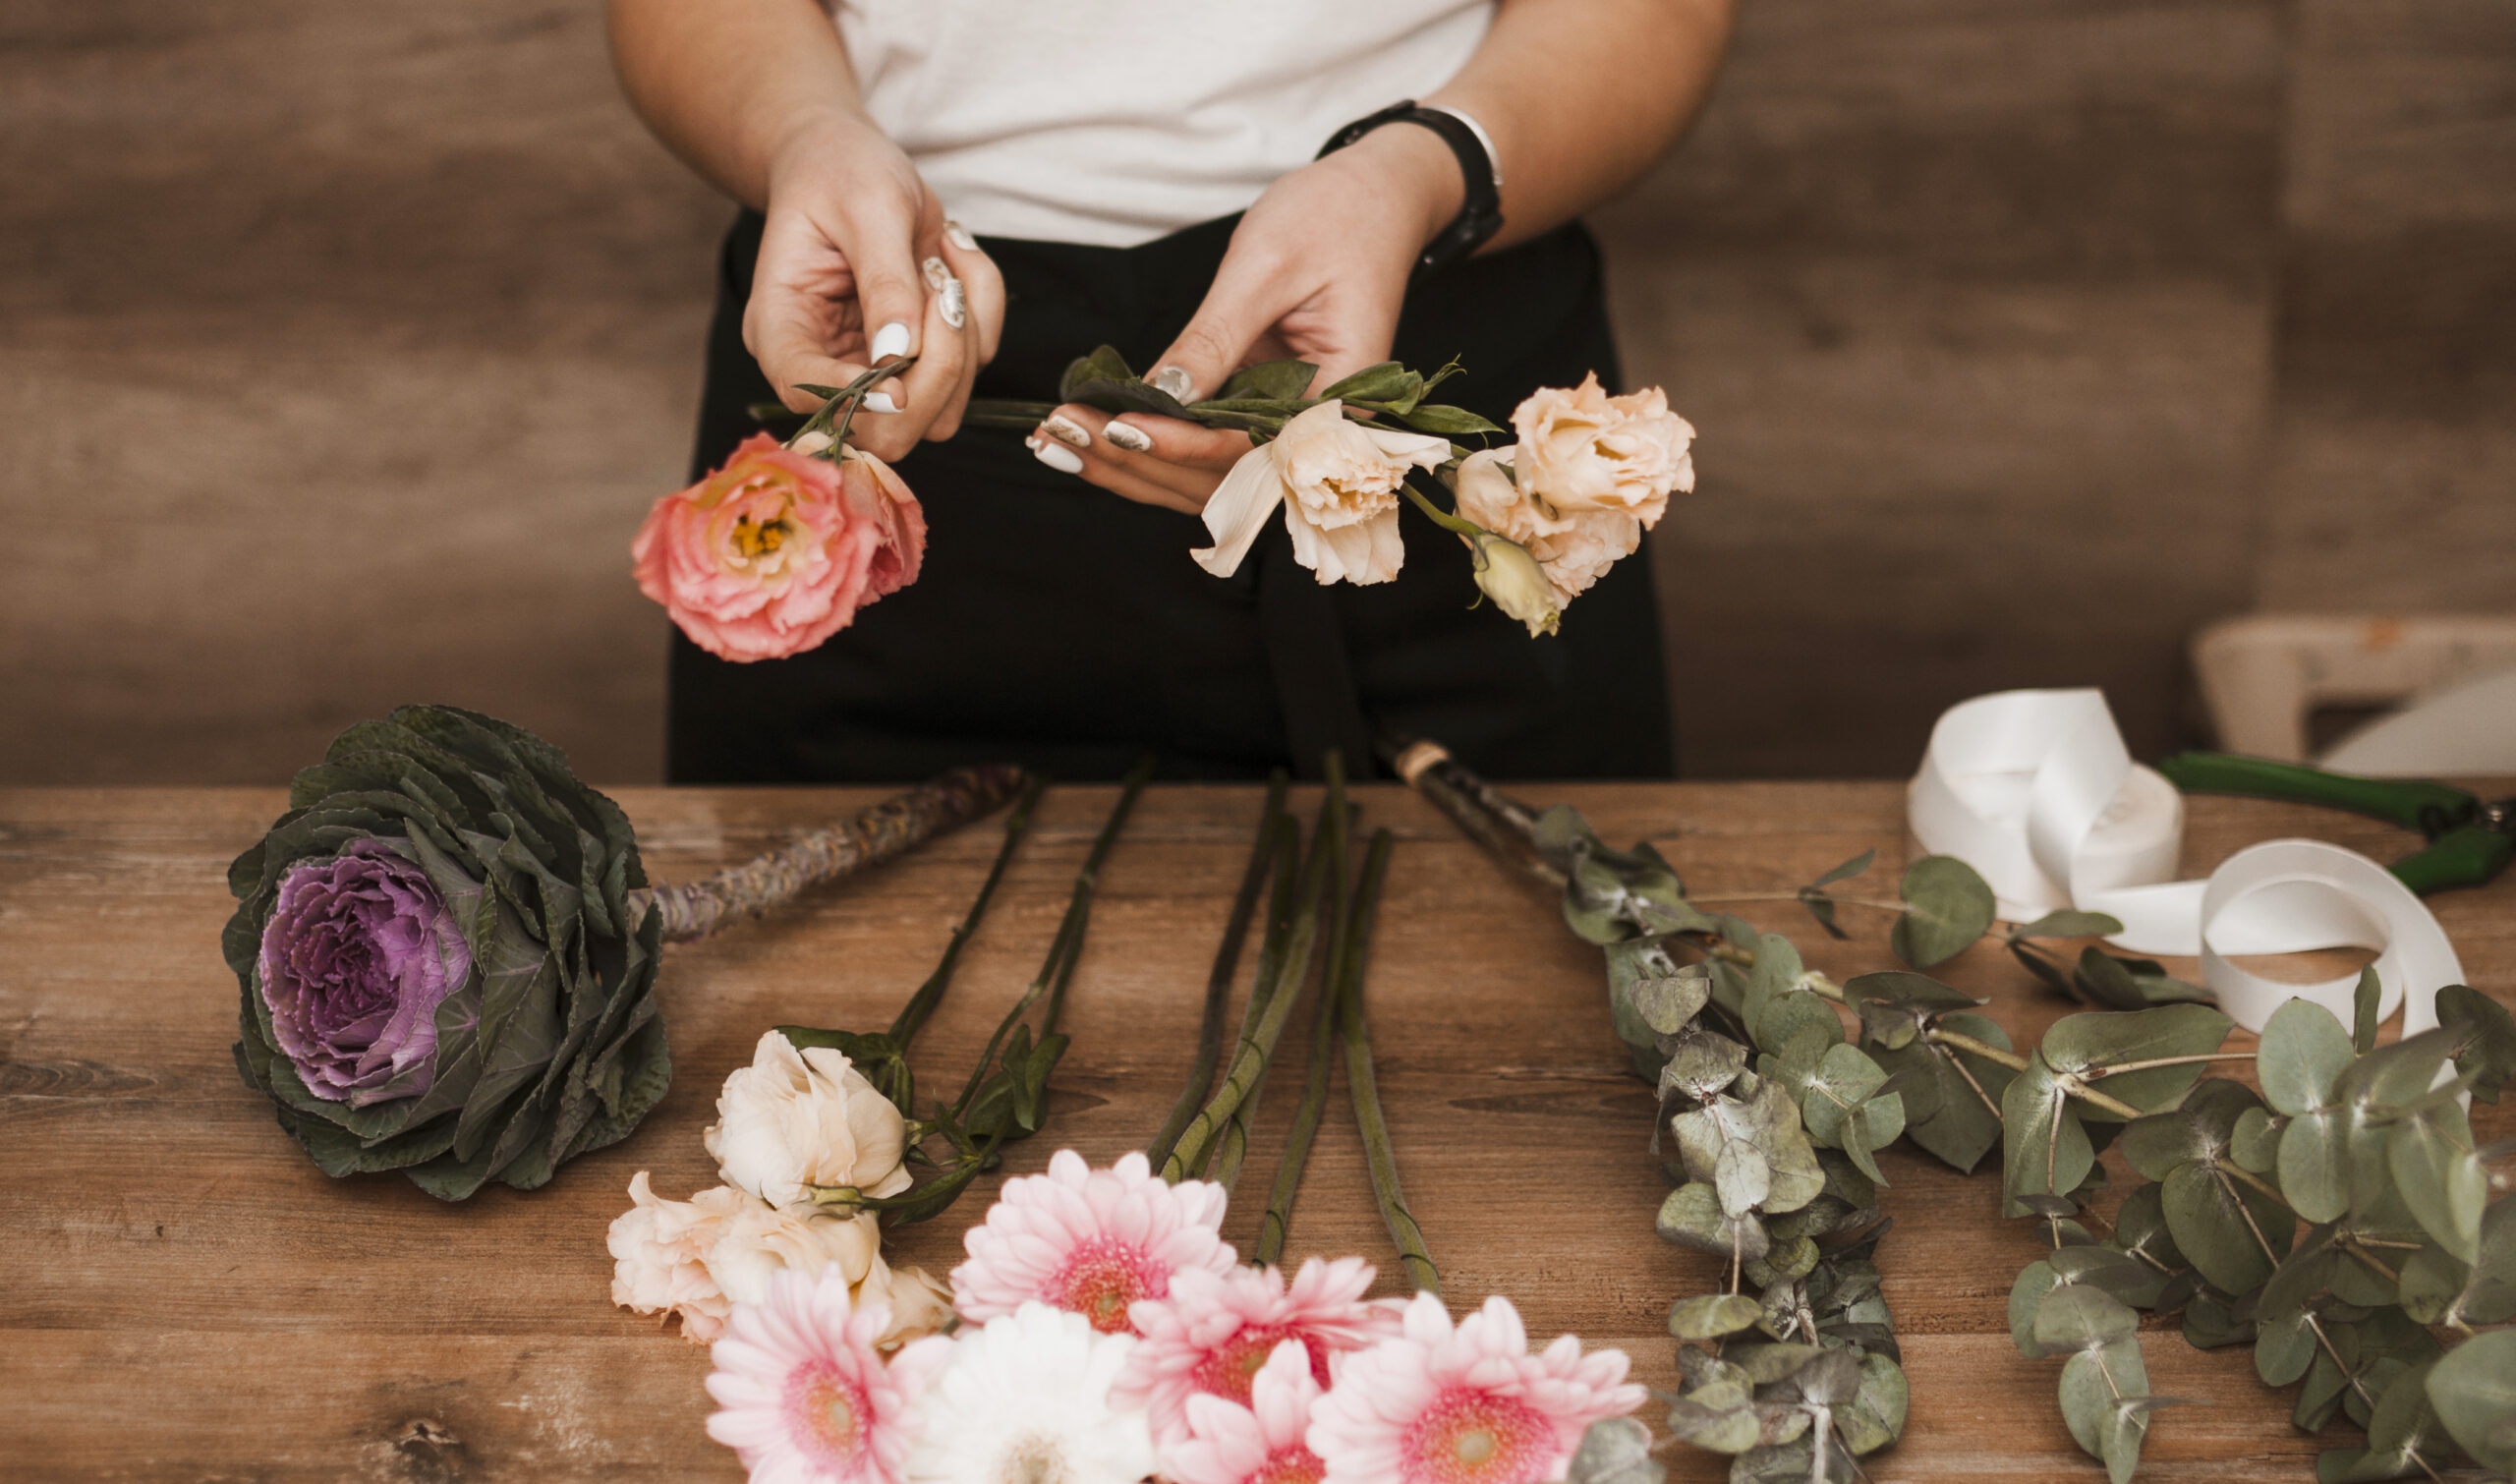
[2035, 791]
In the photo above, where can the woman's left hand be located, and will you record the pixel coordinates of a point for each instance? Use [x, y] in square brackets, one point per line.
[1317, 269]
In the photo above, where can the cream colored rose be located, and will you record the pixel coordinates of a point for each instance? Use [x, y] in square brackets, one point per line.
[920, 1306]
[1584, 450]
[1338, 482]
[1574, 547]
[758, 1240]
[660, 1256]
[796, 1118]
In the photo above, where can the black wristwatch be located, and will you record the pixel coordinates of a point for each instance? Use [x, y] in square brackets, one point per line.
[1483, 214]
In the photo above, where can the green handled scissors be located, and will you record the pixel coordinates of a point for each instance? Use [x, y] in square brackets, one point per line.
[2469, 839]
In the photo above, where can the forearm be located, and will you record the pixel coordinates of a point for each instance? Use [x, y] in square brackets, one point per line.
[727, 84]
[1581, 95]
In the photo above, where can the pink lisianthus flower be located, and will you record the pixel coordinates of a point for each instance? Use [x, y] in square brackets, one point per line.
[775, 551]
[1215, 1329]
[1469, 1404]
[804, 1398]
[1090, 1241]
[1262, 1443]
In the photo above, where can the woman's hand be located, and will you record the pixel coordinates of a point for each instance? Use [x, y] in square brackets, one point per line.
[855, 265]
[1317, 269]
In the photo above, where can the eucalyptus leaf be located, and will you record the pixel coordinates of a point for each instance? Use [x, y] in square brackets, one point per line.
[2256, 1144]
[2093, 1381]
[1691, 1217]
[2077, 1316]
[2068, 923]
[2440, 1179]
[2485, 1038]
[2314, 1168]
[1947, 909]
[2045, 1147]
[1614, 1451]
[2302, 1057]
[2086, 1044]
[1449, 422]
[1269, 381]
[2224, 1228]
[2364, 1001]
[1713, 1315]
[2474, 1392]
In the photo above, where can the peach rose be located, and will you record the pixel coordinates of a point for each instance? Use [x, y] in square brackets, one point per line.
[1337, 484]
[1586, 450]
[660, 1256]
[775, 551]
[1574, 547]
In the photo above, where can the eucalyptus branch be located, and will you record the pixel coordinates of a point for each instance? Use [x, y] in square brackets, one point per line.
[1354, 1025]
[1263, 852]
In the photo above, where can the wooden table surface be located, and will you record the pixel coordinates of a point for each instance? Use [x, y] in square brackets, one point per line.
[189, 1298]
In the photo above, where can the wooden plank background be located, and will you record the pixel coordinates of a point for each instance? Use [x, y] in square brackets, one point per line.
[190, 1300]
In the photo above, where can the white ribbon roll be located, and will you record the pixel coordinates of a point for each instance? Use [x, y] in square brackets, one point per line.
[2035, 791]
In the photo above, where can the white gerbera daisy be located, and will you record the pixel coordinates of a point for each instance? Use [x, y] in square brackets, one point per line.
[1025, 1399]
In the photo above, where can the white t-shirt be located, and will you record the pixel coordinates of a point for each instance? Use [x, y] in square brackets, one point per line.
[1114, 122]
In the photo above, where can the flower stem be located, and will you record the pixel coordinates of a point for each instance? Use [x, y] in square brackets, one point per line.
[1271, 1000]
[1457, 525]
[1066, 948]
[1314, 1106]
[696, 909]
[1354, 1025]
[1263, 852]
[913, 1015]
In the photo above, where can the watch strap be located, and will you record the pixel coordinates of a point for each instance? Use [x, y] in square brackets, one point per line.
[1480, 215]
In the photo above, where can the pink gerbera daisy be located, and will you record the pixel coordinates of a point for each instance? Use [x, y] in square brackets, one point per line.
[1258, 1443]
[1215, 1329]
[805, 1397]
[1465, 1405]
[1091, 1241]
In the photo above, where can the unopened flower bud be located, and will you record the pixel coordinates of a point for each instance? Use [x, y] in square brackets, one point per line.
[1507, 574]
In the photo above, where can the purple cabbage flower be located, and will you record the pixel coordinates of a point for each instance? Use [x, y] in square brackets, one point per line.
[358, 952]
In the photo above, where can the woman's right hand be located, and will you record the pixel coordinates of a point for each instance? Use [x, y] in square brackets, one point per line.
[842, 280]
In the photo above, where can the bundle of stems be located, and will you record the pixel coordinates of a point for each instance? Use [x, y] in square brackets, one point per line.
[1207, 1132]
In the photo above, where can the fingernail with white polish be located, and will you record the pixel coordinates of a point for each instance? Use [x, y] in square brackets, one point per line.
[1065, 429]
[959, 237]
[1128, 437]
[1172, 382]
[879, 400]
[1059, 457]
[937, 274]
[890, 340]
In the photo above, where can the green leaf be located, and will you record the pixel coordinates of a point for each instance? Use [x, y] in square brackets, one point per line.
[1786, 1018]
[1874, 1418]
[1963, 1129]
[1448, 422]
[1269, 381]
[2208, 1212]
[1848, 870]
[2078, 1316]
[1713, 1315]
[2485, 1038]
[2284, 1346]
[1649, 993]
[2363, 1009]
[2314, 1170]
[2088, 1043]
[2045, 1148]
[1386, 382]
[2439, 1177]
[2302, 1057]
[2092, 1382]
[1614, 1451]
[1104, 364]
[1691, 1217]
[2257, 1141]
[1947, 909]
[1775, 972]
[2129, 984]
[2474, 1392]
[2067, 924]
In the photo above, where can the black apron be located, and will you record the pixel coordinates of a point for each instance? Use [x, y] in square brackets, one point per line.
[1059, 627]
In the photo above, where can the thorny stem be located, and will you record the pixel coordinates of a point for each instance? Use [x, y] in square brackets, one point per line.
[1235, 933]
[913, 1015]
[1361, 1081]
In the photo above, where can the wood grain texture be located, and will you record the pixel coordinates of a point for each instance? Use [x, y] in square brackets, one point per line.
[190, 1300]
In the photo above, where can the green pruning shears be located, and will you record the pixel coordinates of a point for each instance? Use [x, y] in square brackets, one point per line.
[2469, 840]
